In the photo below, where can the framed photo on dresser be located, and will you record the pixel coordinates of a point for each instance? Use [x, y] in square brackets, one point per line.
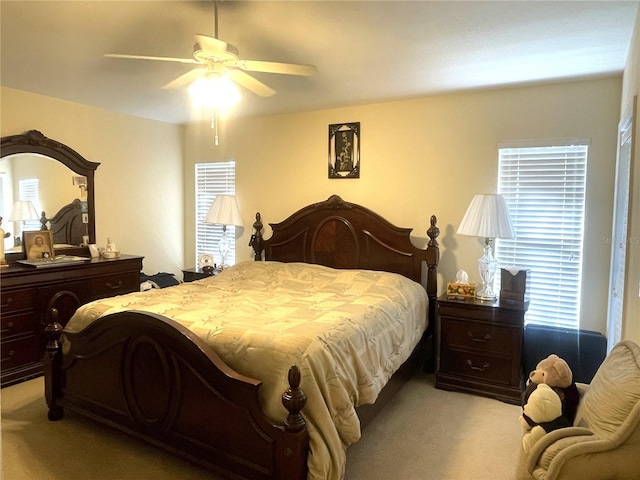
[38, 244]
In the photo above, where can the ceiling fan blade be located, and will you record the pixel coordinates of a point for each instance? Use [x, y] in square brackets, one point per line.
[145, 57]
[250, 83]
[186, 79]
[276, 67]
[211, 45]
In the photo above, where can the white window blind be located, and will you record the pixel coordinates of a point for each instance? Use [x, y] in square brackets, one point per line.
[213, 179]
[29, 190]
[544, 186]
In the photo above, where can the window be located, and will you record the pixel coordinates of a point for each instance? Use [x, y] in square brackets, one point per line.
[544, 186]
[213, 179]
[29, 190]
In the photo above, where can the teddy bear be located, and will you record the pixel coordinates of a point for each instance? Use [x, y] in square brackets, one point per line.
[545, 409]
[556, 373]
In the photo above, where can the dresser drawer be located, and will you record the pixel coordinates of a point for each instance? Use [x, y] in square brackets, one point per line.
[116, 284]
[16, 300]
[484, 337]
[478, 366]
[16, 324]
[18, 353]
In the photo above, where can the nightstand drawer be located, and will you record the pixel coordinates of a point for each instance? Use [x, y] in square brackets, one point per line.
[116, 284]
[17, 324]
[484, 337]
[481, 313]
[13, 301]
[478, 366]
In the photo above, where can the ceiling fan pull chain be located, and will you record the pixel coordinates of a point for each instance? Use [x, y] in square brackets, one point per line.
[214, 125]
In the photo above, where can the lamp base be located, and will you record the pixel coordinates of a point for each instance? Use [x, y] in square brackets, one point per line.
[485, 294]
[487, 265]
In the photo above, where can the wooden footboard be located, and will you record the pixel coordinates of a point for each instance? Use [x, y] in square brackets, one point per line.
[151, 377]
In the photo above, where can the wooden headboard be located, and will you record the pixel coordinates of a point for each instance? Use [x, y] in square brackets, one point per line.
[339, 234]
[66, 225]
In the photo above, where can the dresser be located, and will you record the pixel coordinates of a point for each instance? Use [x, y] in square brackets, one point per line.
[480, 347]
[28, 294]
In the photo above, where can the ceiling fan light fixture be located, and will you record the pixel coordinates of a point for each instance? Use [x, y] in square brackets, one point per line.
[215, 91]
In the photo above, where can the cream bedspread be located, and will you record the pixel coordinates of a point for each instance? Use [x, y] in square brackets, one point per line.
[347, 330]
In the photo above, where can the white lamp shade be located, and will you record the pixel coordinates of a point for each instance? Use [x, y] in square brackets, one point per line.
[23, 210]
[224, 211]
[488, 217]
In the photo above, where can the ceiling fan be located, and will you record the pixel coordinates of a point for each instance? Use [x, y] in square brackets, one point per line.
[216, 58]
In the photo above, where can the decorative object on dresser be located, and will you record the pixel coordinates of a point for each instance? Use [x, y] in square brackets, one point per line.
[487, 217]
[38, 244]
[480, 347]
[3, 235]
[344, 150]
[169, 385]
[224, 211]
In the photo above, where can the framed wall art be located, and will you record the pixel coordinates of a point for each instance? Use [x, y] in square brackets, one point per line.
[344, 150]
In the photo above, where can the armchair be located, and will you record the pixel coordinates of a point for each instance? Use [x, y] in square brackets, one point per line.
[604, 441]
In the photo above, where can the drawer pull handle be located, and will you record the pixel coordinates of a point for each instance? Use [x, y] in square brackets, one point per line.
[114, 287]
[484, 339]
[8, 329]
[5, 305]
[11, 353]
[476, 368]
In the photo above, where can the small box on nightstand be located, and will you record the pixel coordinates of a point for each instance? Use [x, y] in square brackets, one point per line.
[514, 285]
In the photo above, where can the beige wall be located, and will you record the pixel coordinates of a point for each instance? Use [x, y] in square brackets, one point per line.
[421, 157]
[139, 196]
[631, 88]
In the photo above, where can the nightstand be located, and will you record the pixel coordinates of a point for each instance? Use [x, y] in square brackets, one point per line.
[191, 274]
[479, 347]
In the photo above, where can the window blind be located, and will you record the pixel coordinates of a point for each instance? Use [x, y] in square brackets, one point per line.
[544, 187]
[214, 178]
[29, 190]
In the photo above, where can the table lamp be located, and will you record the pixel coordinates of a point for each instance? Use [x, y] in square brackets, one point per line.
[224, 211]
[487, 217]
[22, 211]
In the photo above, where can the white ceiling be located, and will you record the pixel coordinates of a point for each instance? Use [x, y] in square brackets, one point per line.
[365, 51]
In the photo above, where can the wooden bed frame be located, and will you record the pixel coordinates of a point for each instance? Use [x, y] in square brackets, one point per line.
[150, 377]
[66, 225]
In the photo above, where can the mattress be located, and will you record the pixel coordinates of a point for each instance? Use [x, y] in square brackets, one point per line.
[347, 330]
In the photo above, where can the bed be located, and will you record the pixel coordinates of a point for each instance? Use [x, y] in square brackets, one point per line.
[132, 363]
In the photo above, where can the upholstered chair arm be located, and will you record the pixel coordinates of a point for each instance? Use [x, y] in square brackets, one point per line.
[560, 439]
[582, 388]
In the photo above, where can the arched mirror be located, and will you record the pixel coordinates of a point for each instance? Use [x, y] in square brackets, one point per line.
[60, 182]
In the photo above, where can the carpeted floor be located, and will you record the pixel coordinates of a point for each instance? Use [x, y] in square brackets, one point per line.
[423, 433]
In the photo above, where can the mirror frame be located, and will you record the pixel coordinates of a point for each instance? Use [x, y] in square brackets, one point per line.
[34, 141]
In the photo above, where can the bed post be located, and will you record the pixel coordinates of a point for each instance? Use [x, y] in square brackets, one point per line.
[432, 258]
[292, 461]
[257, 242]
[52, 365]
